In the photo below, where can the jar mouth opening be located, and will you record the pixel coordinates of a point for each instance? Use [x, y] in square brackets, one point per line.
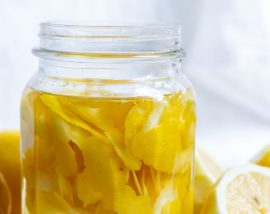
[121, 41]
[103, 31]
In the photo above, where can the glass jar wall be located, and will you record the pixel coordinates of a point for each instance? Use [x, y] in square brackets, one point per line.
[108, 122]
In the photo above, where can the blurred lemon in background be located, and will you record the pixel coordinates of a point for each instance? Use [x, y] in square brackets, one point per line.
[207, 173]
[10, 169]
[263, 158]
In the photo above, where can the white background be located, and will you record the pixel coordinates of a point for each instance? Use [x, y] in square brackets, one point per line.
[228, 45]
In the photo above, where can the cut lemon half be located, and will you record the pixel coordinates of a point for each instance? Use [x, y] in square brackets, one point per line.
[207, 173]
[241, 190]
[5, 196]
[263, 158]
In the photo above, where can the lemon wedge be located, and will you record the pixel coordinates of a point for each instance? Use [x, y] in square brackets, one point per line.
[263, 158]
[207, 172]
[241, 190]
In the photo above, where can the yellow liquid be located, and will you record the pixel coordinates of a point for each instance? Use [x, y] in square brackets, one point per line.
[107, 155]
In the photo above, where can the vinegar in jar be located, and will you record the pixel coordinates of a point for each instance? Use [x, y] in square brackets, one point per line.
[107, 155]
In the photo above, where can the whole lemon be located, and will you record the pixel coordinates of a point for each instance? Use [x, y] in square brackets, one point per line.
[10, 166]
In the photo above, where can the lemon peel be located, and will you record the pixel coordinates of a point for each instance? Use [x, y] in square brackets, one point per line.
[159, 147]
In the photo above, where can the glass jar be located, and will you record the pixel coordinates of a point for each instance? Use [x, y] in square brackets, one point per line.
[108, 122]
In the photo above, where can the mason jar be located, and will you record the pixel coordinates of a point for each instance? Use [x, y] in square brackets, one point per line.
[108, 122]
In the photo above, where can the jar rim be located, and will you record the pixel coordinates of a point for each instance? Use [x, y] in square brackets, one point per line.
[77, 41]
[124, 30]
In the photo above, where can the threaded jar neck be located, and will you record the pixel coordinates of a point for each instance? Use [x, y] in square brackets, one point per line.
[121, 60]
[89, 43]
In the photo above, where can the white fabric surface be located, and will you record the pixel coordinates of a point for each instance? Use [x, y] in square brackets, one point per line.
[228, 60]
